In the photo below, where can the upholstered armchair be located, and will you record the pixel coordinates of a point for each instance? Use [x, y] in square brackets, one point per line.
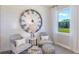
[46, 43]
[18, 43]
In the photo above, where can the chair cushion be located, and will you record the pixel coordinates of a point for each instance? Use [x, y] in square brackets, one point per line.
[44, 37]
[20, 42]
[21, 48]
[41, 42]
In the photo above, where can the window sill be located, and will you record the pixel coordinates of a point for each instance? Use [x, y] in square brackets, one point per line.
[65, 34]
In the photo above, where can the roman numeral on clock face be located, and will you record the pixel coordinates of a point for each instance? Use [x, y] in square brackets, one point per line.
[29, 17]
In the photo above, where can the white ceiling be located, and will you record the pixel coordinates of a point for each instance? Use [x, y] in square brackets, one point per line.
[50, 6]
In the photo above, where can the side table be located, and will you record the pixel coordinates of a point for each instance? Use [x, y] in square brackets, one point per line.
[33, 41]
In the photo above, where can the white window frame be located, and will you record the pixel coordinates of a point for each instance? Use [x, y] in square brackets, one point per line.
[60, 8]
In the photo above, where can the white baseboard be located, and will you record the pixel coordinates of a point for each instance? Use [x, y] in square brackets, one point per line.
[67, 47]
[57, 43]
[3, 50]
[76, 51]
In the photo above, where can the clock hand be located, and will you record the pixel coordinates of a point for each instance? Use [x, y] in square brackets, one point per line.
[32, 21]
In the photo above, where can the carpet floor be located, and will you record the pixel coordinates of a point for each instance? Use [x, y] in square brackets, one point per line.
[58, 50]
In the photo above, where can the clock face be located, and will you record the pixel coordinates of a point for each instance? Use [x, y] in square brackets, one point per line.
[30, 21]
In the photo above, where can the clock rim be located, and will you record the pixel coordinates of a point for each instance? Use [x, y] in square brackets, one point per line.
[34, 11]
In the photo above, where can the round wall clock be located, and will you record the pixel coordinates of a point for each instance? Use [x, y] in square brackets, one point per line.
[30, 21]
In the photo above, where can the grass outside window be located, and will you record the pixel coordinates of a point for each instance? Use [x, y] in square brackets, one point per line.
[65, 30]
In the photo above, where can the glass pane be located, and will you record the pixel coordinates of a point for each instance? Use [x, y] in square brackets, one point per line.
[64, 20]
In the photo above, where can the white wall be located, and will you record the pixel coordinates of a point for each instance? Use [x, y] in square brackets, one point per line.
[10, 22]
[0, 26]
[78, 28]
[59, 38]
[70, 41]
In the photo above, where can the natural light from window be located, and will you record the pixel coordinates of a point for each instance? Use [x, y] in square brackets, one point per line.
[63, 17]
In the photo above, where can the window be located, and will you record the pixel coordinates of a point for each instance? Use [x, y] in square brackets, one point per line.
[63, 18]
